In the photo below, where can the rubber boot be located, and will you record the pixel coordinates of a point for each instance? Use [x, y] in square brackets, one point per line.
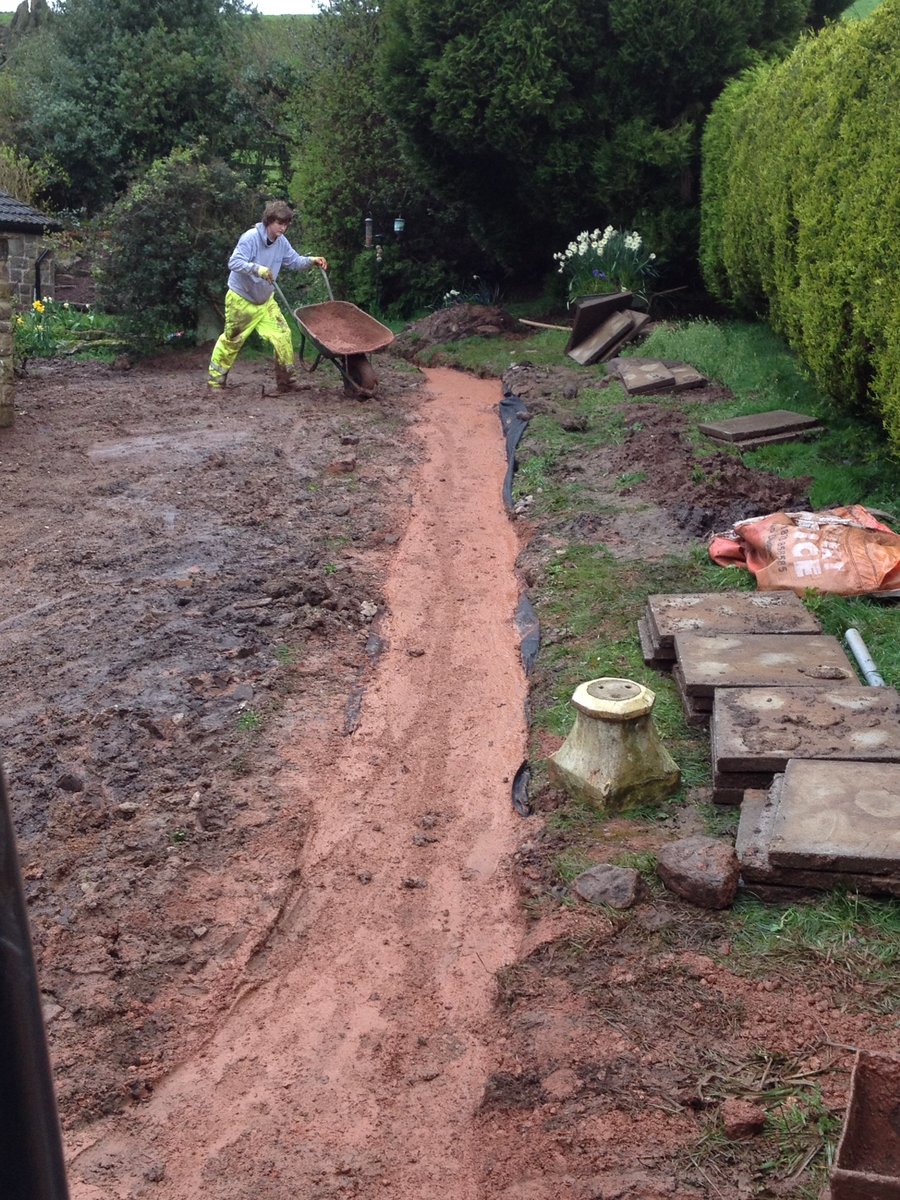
[285, 379]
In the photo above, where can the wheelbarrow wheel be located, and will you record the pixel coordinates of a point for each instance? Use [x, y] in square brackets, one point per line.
[361, 372]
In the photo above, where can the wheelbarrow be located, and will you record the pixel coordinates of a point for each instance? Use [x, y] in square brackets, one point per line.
[343, 334]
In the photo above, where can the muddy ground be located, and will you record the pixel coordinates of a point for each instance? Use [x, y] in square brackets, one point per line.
[194, 588]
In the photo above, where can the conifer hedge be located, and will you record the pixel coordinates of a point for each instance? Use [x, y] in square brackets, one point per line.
[800, 216]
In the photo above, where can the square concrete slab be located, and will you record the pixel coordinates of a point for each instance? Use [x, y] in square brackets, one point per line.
[683, 376]
[697, 710]
[711, 661]
[592, 311]
[644, 377]
[775, 440]
[638, 322]
[728, 797]
[686, 377]
[760, 729]
[760, 425]
[602, 340]
[649, 650]
[754, 833]
[697, 703]
[838, 816]
[725, 612]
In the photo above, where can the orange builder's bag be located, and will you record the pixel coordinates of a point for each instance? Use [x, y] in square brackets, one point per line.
[841, 550]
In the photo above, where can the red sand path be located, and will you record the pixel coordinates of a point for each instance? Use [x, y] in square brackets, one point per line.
[354, 1058]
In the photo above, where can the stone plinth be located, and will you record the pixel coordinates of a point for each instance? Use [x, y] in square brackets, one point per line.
[613, 757]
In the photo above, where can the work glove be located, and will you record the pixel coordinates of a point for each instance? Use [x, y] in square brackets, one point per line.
[265, 273]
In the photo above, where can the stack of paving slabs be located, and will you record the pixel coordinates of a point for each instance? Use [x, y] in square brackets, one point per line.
[756, 731]
[601, 325]
[762, 429]
[709, 662]
[718, 612]
[649, 376]
[824, 824]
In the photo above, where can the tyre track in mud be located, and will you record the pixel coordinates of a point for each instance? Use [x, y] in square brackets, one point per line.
[356, 1057]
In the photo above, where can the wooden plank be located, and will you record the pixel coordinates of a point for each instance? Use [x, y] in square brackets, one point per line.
[543, 325]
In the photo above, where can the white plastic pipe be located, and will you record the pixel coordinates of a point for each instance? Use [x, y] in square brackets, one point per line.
[853, 638]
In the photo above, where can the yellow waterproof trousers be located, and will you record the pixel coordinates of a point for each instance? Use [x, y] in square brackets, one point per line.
[241, 318]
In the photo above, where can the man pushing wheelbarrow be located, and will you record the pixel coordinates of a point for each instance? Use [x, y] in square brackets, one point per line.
[250, 302]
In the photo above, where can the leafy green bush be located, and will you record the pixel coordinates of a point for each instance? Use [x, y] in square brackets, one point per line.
[801, 212]
[166, 243]
[19, 176]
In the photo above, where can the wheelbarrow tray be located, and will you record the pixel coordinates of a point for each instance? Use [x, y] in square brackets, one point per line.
[340, 328]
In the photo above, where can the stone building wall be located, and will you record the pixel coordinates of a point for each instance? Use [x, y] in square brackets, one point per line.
[7, 383]
[24, 249]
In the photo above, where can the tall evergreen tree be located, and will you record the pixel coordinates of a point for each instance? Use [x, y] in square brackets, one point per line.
[544, 117]
[352, 166]
[125, 81]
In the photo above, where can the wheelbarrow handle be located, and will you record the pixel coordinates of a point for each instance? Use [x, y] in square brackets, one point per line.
[327, 283]
[286, 302]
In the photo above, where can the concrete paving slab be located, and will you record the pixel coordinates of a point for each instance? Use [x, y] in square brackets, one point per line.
[638, 322]
[686, 377]
[649, 650]
[752, 846]
[609, 334]
[697, 703]
[681, 375]
[800, 435]
[697, 710]
[838, 816]
[646, 377]
[592, 311]
[760, 729]
[711, 661]
[725, 612]
[757, 425]
[743, 779]
[728, 797]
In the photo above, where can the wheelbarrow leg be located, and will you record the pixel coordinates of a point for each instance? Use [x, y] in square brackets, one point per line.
[359, 377]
